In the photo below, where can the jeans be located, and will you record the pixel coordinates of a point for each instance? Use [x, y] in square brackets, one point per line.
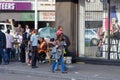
[56, 63]
[8, 53]
[1, 55]
[34, 55]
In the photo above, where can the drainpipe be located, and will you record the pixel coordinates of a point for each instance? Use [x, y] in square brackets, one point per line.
[108, 29]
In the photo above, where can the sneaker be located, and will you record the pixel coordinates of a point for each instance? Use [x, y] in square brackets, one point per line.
[43, 61]
[29, 64]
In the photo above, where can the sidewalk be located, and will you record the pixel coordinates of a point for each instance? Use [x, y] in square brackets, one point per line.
[77, 71]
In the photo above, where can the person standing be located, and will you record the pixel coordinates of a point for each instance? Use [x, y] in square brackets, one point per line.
[9, 44]
[27, 29]
[2, 44]
[18, 30]
[34, 48]
[23, 46]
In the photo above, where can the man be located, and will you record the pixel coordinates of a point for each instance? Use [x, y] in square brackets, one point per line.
[34, 44]
[9, 45]
[23, 46]
[2, 44]
[18, 30]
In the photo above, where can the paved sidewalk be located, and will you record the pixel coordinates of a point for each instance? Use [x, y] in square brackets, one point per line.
[78, 71]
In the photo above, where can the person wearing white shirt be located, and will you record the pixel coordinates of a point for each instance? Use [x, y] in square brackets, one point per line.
[9, 43]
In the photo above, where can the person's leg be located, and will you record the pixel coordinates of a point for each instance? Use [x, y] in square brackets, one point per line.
[34, 56]
[44, 56]
[55, 63]
[8, 53]
[1, 55]
[62, 64]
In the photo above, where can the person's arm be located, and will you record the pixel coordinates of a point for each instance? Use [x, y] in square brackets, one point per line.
[31, 40]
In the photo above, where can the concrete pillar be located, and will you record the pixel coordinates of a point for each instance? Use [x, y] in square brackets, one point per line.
[66, 17]
[81, 28]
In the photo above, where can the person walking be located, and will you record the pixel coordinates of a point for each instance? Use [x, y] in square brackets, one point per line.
[9, 44]
[2, 44]
[34, 48]
[60, 43]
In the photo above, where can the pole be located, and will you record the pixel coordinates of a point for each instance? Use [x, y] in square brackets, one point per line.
[108, 29]
[36, 13]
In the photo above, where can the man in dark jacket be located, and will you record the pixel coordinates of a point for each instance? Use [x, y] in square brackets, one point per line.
[2, 44]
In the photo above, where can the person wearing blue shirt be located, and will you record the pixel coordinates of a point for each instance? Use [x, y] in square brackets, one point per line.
[34, 48]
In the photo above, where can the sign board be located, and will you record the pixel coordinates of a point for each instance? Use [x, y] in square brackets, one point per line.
[47, 5]
[47, 16]
[15, 6]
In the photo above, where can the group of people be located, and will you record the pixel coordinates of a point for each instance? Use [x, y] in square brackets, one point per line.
[36, 47]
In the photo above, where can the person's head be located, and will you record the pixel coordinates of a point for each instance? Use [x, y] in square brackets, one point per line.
[42, 39]
[60, 28]
[34, 31]
[26, 26]
[8, 31]
[114, 20]
[19, 25]
[0, 28]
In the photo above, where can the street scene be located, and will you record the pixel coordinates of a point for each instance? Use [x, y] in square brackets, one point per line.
[59, 39]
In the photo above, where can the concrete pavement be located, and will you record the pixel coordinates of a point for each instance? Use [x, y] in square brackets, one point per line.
[77, 71]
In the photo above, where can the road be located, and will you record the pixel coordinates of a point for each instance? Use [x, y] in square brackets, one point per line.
[78, 71]
[6, 76]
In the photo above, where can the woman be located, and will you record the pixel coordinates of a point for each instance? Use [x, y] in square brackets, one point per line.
[59, 31]
[42, 49]
[59, 55]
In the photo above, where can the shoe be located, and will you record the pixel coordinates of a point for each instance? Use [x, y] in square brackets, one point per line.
[64, 72]
[53, 71]
[43, 61]
[29, 64]
[34, 67]
[57, 69]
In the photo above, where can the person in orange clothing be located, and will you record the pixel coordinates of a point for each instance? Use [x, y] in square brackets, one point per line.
[42, 49]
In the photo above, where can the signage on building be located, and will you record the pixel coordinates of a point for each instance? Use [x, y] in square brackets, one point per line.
[46, 5]
[47, 16]
[15, 6]
[27, 16]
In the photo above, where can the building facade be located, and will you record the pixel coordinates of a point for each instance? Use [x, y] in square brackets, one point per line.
[23, 11]
[83, 20]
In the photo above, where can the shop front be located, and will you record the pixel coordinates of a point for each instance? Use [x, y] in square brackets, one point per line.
[95, 31]
[23, 12]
